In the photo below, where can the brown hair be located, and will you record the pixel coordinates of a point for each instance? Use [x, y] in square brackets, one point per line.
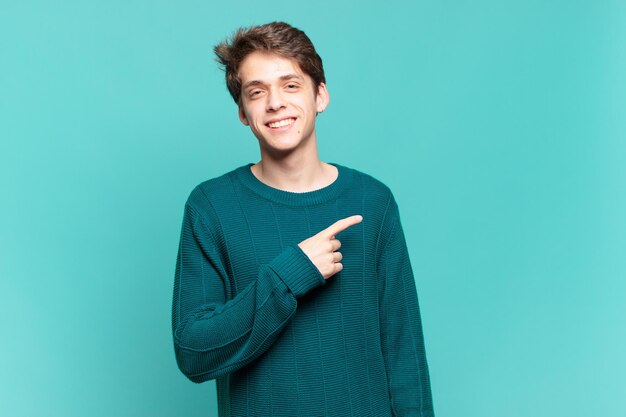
[278, 38]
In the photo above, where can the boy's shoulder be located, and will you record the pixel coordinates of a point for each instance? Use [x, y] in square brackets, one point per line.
[374, 192]
[212, 188]
[371, 184]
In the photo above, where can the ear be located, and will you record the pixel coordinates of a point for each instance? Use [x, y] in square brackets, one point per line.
[323, 98]
[242, 115]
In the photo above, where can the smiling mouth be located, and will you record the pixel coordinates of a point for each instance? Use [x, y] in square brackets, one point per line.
[281, 123]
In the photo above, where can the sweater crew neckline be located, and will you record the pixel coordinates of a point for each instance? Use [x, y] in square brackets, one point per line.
[321, 195]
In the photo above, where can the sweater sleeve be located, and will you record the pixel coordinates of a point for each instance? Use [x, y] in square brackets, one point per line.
[401, 328]
[214, 335]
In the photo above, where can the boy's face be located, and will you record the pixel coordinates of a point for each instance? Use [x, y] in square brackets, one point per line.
[279, 102]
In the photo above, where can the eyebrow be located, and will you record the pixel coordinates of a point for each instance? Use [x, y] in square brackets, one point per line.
[285, 77]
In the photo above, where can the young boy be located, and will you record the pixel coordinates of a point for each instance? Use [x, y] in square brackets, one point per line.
[293, 284]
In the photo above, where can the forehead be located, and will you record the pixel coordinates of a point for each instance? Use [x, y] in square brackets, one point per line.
[267, 67]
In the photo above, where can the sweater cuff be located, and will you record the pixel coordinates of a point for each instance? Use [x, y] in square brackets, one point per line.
[297, 271]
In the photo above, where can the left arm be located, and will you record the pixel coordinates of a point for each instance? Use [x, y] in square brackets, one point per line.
[401, 327]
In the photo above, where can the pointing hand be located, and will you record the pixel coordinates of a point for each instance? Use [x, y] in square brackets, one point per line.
[321, 248]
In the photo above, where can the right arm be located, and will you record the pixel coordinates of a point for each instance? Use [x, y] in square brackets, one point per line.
[214, 336]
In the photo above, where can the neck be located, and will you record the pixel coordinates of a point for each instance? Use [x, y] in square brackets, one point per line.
[295, 172]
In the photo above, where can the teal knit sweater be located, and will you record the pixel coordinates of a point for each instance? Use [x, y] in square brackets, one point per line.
[251, 310]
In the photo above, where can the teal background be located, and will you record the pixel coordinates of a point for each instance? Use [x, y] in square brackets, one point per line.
[498, 125]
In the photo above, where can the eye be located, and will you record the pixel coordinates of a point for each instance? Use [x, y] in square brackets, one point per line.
[255, 93]
[292, 86]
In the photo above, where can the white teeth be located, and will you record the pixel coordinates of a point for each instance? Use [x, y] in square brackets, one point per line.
[281, 123]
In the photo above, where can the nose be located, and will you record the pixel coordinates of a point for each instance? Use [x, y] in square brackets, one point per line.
[275, 101]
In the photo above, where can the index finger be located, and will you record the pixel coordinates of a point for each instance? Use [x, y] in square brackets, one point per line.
[341, 225]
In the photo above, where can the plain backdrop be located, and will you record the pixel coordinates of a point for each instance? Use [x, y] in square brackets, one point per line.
[498, 125]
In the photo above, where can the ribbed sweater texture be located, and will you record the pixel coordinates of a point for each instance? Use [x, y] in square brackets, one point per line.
[252, 311]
